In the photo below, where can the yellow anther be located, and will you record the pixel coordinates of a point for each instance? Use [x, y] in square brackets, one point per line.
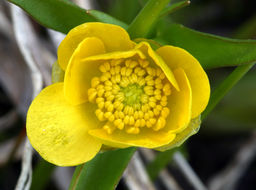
[112, 71]
[163, 103]
[137, 123]
[141, 72]
[158, 71]
[145, 108]
[111, 97]
[95, 81]
[136, 115]
[131, 120]
[142, 122]
[128, 62]
[100, 87]
[158, 97]
[109, 116]
[167, 89]
[119, 124]
[133, 130]
[126, 120]
[102, 68]
[156, 111]
[106, 65]
[120, 96]
[128, 72]
[105, 77]
[108, 93]
[152, 121]
[159, 86]
[162, 76]
[150, 82]
[148, 124]
[137, 106]
[151, 71]
[107, 103]
[117, 69]
[159, 124]
[100, 92]
[115, 62]
[146, 116]
[108, 83]
[133, 64]
[99, 99]
[165, 112]
[143, 63]
[110, 108]
[100, 115]
[164, 98]
[116, 104]
[148, 78]
[144, 98]
[141, 81]
[133, 78]
[152, 104]
[123, 71]
[152, 99]
[108, 88]
[120, 107]
[101, 105]
[149, 90]
[118, 78]
[158, 81]
[121, 114]
[157, 91]
[151, 113]
[108, 129]
[141, 114]
[116, 114]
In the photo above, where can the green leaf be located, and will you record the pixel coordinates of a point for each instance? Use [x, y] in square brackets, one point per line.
[62, 15]
[103, 172]
[174, 7]
[41, 175]
[142, 24]
[212, 51]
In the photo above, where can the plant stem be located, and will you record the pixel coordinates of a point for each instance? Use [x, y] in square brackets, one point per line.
[225, 87]
[147, 17]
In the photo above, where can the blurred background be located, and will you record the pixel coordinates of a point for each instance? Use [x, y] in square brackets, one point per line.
[222, 156]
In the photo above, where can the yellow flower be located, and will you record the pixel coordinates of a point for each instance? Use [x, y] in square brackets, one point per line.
[116, 93]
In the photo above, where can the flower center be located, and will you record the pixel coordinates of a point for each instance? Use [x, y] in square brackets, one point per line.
[131, 95]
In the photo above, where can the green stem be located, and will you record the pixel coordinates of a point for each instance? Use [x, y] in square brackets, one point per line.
[225, 86]
[174, 7]
[147, 17]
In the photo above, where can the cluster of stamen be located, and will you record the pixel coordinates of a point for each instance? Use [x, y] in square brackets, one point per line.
[131, 95]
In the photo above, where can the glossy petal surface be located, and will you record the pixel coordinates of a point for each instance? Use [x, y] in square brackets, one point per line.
[146, 49]
[59, 131]
[176, 57]
[180, 104]
[114, 38]
[146, 138]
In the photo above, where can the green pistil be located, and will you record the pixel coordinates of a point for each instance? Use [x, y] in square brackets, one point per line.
[132, 94]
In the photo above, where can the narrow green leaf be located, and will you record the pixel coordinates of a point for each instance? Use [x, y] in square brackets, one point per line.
[212, 51]
[105, 17]
[103, 172]
[174, 7]
[62, 15]
[225, 87]
[41, 175]
[147, 17]
[59, 15]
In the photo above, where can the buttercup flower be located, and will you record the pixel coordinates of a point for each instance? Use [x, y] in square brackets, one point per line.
[116, 93]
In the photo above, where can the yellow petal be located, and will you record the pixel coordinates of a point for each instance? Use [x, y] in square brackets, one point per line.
[114, 38]
[147, 50]
[146, 138]
[81, 70]
[180, 138]
[59, 131]
[179, 104]
[176, 57]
